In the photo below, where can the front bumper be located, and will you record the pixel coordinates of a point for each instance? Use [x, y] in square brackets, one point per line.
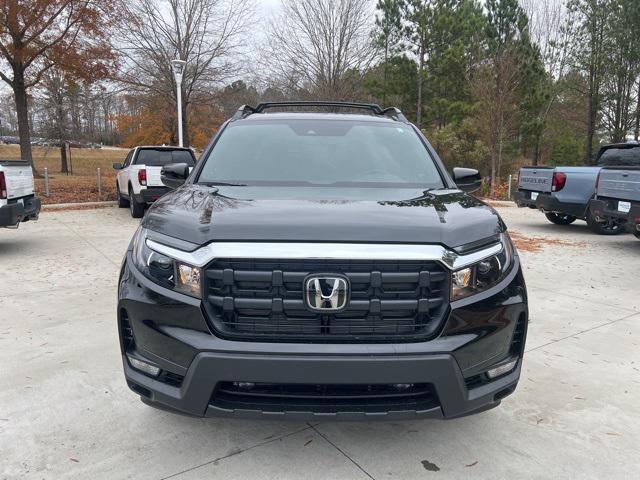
[170, 331]
[548, 203]
[197, 394]
[14, 213]
[608, 208]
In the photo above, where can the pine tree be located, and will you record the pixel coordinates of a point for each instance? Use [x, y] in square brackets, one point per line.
[388, 34]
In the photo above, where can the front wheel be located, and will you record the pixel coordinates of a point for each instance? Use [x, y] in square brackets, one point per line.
[611, 226]
[137, 208]
[636, 232]
[560, 218]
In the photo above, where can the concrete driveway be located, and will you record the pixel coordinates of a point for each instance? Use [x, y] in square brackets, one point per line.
[65, 411]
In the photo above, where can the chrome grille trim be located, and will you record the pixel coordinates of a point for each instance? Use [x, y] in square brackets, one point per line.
[325, 251]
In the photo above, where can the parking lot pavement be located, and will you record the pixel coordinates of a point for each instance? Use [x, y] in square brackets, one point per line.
[65, 411]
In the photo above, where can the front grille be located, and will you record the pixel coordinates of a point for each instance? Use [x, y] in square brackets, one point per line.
[276, 397]
[390, 301]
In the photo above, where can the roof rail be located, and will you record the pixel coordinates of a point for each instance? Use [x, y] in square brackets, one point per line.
[243, 111]
[246, 110]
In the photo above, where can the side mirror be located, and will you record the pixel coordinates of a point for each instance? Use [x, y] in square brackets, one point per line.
[174, 174]
[467, 179]
[117, 166]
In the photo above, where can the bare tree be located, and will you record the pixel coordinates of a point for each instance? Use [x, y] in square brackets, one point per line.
[209, 35]
[55, 105]
[496, 88]
[323, 46]
[622, 64]
[551, 28]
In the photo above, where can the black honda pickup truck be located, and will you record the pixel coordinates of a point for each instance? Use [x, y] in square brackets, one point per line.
[319, 262]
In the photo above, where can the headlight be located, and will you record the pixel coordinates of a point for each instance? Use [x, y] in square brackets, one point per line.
[484, 274]
[164, 270]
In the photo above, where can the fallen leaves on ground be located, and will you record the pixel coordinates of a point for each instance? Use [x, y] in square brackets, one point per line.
[498, 204]
[526, 243]
[79, 206]
[76, 188]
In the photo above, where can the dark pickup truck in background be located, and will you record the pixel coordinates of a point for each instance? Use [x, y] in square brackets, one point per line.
[618, 197]
[563, 193]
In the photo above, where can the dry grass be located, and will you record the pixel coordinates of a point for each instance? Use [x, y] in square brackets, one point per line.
[82, 186]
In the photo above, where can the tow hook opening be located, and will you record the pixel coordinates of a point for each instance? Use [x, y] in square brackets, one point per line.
[503, 393]
[140, 390]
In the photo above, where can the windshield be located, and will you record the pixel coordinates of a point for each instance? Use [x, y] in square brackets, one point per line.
[320, 153]
[158, 157]
[620, 157]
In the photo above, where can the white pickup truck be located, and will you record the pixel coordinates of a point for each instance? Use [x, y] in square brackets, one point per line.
[18, 202]
[138, 180]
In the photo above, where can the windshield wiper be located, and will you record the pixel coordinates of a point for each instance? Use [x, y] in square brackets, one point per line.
[223, 184]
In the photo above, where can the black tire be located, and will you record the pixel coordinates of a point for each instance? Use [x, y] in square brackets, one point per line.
[636, 233]
[560, 218]
[122, 202]
[612, 226]
[136, 208]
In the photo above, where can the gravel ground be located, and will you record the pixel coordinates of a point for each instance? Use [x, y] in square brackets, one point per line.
[65, 411]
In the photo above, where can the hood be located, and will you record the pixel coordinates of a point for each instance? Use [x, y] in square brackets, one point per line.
[200, 214]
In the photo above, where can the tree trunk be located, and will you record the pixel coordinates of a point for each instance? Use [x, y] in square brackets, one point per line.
[420, 87]
[492, 192]
[64, 164]
[536, 149]
[22, 111]
[636, 132]
[591, 121]
[384, 72]
[500, 148]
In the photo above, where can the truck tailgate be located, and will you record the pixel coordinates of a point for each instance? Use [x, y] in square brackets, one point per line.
[537, 179]
[153, 177]
[620, 182]
[19, 179]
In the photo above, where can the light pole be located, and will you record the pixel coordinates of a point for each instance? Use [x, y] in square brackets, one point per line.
[178, 70]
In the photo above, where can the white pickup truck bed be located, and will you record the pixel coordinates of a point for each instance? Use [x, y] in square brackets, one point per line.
[18, 202]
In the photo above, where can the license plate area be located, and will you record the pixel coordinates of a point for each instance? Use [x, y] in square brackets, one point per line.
[624, 207]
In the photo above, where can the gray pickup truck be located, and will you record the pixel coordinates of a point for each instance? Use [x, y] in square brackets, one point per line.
[563, 193]
[618, 196]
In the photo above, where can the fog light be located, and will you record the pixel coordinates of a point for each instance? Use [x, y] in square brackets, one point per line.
[502, 369]
[244, 385]
[402, 386]
[143, 366]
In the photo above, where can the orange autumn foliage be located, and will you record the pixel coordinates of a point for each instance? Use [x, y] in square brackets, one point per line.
[153, 126]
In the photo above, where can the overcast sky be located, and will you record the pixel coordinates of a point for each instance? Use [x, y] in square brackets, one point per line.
[268, 6]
